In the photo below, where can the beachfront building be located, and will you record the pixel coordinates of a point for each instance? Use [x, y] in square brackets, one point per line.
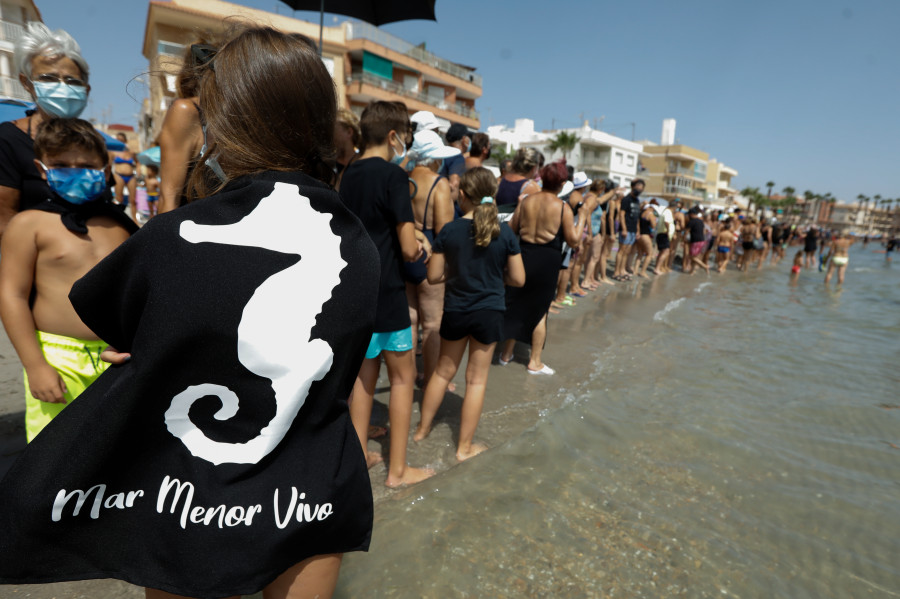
[599, 154]
[14, 14]
[366, 63]
[676, 172]
[719, 190]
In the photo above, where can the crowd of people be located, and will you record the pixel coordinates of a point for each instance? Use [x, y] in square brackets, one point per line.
[468, 261]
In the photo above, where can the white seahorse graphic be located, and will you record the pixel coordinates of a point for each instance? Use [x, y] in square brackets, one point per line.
[274, 335]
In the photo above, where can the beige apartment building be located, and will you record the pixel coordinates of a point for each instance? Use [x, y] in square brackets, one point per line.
[14, 14]
[675, 172]
[719, 191]
[366, 63]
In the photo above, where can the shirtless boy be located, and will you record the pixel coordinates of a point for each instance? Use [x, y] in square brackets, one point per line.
[838, 253]
[45, 250]
[724, 245]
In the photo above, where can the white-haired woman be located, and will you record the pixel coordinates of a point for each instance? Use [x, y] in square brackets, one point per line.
[52, 70]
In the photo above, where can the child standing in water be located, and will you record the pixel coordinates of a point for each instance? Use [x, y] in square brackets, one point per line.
[45, 250]
[724, 245]
[475, 255]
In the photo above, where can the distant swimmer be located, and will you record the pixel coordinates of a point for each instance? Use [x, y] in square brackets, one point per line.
[889, 248]
[838, 253]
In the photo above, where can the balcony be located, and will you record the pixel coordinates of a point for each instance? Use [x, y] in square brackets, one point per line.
[365, 31]
[688, 192]
[674, 169]
[10, 32]
[171, 49]
[397, 88]
[11, 88]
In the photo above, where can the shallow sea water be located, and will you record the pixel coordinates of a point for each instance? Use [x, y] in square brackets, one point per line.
[727, 436]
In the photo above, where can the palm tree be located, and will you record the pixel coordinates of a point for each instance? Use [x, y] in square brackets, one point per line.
[753, 198]
[770, 185]
[862, 199]
[563, 141]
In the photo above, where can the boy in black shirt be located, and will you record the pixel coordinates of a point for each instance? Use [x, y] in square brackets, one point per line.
[376, 189]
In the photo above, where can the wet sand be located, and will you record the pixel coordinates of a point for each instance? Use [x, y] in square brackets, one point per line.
[515, 401]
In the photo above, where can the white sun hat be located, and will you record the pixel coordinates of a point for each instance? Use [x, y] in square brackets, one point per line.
[425, 121]
[567, 188]
[427, 145]
[580, 179]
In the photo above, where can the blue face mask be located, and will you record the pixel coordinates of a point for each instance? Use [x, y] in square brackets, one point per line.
[76, 185]
[398, 158]
[60, 100]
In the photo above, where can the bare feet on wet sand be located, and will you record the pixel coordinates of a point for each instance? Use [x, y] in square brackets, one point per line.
[421, 433]
[373, 459]
[473, 451]
[410, 476]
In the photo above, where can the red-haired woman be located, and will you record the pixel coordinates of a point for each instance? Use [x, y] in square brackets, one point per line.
[543, 222]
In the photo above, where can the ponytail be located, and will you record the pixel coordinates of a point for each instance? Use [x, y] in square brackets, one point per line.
[480, 187]
[487, 225]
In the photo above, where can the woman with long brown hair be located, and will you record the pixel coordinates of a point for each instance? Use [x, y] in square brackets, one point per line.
[246, 314]
[475, 255]
[542, 221]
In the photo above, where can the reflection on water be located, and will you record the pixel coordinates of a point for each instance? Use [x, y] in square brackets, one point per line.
[723, 436]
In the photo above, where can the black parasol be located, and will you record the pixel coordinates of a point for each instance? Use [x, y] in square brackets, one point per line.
[376, 12]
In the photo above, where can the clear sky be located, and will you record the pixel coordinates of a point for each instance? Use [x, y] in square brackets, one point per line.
[805, 93]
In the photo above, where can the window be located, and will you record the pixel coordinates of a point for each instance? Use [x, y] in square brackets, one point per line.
[411, 83]
[630, 160]
[619, 158]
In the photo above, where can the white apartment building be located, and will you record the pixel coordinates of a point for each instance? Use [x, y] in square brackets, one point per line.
[597, 153]
[13, 16]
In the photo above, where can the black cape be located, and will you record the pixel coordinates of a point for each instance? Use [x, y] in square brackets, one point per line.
[222, 453]
[75, 216]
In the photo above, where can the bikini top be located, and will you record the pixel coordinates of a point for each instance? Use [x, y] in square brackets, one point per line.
[118, 160]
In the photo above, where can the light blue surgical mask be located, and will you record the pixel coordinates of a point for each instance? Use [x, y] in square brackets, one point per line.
[398, 158]
[469, 147]
[76, 185]
[60, 100]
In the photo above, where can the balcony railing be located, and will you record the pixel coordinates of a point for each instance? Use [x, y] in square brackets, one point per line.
[356, 30]
[397, 88]
[11, 88]
[680, 170]
[10, 32]
[170, 49]
[684, 191]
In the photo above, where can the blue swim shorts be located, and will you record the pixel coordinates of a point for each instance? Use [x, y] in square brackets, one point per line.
[397, 341]
[628, 239]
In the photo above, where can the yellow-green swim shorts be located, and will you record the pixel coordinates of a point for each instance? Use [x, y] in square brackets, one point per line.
[78, 363]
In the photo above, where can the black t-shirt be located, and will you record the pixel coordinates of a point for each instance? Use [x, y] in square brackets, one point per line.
[17, 169]
[377, 192]
[632, 208]
[455, 165]
[698, 231]
[474, 274]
